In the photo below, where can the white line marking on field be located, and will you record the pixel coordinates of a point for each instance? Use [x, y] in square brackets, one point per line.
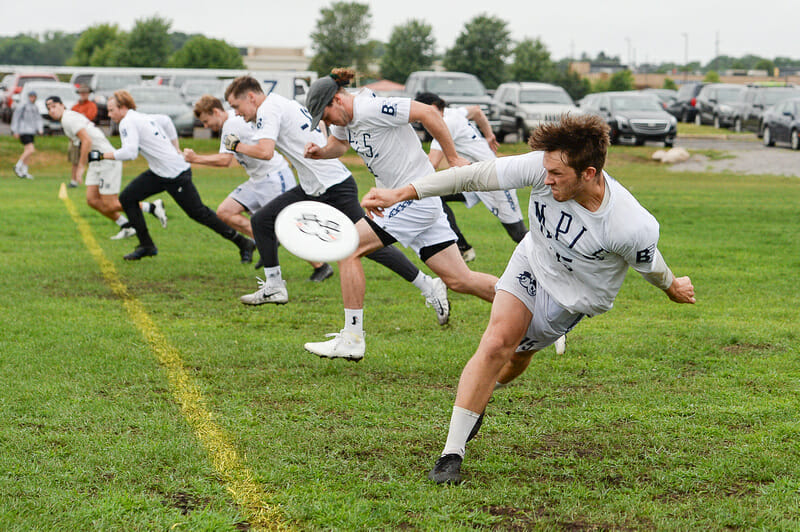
[238, 479]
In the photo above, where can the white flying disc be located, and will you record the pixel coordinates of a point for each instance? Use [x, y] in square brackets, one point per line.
[316, 232]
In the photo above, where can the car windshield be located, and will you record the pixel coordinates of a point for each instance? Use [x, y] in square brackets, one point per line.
[773, 96]
[198, 88]
[455, 86]
[28, 79]
[166, 97]
[116, 82]
[67, 94]
[632, 103]
[728, 94]
[544, 96]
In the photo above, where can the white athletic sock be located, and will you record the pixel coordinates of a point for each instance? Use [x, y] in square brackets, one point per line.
[273, 275]
[461, 423]
[146, 206]
[121, 220]
[423, 282]
[354, 321]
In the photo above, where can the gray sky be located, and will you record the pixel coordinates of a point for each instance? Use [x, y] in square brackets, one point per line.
[641, 31]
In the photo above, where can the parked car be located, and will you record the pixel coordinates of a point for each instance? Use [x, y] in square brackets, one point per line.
[665, 96]
[782, 124]
[523, 106]
[749, 108]
[458, 89]
[632, 117]
[682, 107]
[166, 101]
[103, 84]
[81, 78]
[714, 104]
[193, 89]
[45, 89]
[14, 85]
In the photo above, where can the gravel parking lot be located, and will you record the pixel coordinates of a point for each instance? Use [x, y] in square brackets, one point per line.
[750, 156]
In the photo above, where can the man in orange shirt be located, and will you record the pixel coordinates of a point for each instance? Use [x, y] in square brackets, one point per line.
[87, 108]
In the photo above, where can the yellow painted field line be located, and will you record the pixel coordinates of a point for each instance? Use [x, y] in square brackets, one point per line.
[238, 479]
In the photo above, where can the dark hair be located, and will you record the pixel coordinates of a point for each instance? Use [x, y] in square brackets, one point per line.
[582, 138]
[429, 98]
[343, 76]
[207, 104]
[54, 99]
[242, 85]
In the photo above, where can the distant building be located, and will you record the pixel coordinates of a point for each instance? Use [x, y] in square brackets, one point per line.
[276, 59]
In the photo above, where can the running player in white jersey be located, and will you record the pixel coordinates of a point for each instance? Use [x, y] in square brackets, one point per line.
[103, 178]
[379, 130]
[586, 230]
[285, 124]
[474, 146]
[168, 171]
[268, 178]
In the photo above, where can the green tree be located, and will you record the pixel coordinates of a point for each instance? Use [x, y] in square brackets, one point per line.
[711, 77]
[621, 81]
[147, 45]
[202, 52]
[56, 47]
[531, 62]
[765, 64]
[669, 83]
[340, 37]
[21, 49]
[481, 49]
[87, 49]
[411, 47]
[576, 86]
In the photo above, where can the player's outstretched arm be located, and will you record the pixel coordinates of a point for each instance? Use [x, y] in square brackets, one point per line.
[333, 149]
[681, 290]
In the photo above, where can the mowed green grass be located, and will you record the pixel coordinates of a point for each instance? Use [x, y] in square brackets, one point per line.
[659, 416]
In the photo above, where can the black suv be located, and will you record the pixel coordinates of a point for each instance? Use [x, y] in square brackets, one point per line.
[682, 107]
[749, 108]
[714, 104]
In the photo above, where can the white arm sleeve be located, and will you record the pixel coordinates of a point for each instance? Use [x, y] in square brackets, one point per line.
[660, 276]
[129, 136]
[477, 176]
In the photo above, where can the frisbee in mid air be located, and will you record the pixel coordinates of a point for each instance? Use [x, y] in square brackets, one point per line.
[316, 232]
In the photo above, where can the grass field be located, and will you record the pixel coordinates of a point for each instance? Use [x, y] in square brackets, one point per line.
[144, 396]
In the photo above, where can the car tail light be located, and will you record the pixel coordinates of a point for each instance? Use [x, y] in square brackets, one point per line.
[18, 89]
[693, 102]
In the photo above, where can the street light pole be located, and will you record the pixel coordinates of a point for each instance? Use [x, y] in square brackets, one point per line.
[685, 56]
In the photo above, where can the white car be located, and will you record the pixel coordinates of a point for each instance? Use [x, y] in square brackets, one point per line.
[522, 106]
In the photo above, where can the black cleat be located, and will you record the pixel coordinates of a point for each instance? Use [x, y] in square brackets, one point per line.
[142, 251]
[321, 273]
[246, 251]
[447, 470]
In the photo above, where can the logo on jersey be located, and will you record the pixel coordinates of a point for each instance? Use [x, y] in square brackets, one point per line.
[259, 122]
[123, 132]
[527, 282]
[389, 109]
[645, 256]
[325, 230]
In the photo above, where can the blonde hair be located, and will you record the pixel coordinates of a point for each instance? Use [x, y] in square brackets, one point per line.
[124, 99]
[206, 104]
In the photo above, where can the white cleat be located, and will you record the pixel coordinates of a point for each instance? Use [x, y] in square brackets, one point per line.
[267, 293]
[561, 345]
[438, 300]
[468, 254]
[160, 212]
[125, 232]
[344, 344]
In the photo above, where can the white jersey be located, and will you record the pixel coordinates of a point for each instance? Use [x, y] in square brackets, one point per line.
[73, 121]
[257, 169]
[141, 132]
[165, 122]
[580, 257]
[382, 136]
[288, 124]
[470, 144]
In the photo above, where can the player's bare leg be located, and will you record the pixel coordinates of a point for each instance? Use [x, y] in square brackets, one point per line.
[449, 265]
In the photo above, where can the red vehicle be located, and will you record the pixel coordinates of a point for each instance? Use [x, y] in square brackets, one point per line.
[14, 88]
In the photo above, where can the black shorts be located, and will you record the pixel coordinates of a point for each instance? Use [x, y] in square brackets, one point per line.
[26, 139]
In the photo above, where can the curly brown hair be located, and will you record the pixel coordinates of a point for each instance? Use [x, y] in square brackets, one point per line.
[583, 139]
[343, 76]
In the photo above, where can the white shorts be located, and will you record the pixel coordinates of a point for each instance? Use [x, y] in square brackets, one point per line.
[106, 174]
[550, 320]
[417, 224]
[255, 193]
[502, 203]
